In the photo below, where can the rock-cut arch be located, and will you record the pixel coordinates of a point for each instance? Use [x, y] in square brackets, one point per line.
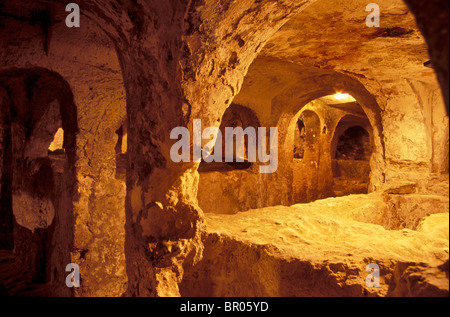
[36, 103]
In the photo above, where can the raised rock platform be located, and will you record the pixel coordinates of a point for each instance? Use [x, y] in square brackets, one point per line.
[320, 249]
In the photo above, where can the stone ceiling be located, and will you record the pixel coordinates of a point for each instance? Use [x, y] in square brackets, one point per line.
[329, 34]
[332, 34]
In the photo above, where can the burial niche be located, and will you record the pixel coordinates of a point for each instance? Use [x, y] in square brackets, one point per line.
[235, 116]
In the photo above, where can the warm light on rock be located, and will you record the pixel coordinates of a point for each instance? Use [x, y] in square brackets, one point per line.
[58, 141]
[224, 148]
[340, 96]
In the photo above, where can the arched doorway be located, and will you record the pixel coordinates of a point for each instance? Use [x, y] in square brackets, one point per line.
[322, 143]
[299, 140]
[307, 157]
[351, 150]
[40, 180]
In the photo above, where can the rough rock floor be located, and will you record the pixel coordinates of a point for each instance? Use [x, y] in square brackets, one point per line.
[320, 249]
[316, 249]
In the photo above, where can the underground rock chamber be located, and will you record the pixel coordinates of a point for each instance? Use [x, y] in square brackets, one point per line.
[87, 175]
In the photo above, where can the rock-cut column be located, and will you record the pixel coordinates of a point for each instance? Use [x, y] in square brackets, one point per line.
[181, 61]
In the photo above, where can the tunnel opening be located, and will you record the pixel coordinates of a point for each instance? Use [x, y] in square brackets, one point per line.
[308, 169]
[332, 149]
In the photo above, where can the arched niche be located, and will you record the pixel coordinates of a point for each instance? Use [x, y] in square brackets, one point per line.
[307, 185]
[228, 188]
[312, 124]
[90, 65]
[299, 140]
[235, 116]
[40, 179]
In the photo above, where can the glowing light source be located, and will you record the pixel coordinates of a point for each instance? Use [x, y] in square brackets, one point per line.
[341, 96]
[58, 141]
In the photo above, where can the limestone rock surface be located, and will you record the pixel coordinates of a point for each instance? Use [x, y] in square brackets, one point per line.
[320, 249]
